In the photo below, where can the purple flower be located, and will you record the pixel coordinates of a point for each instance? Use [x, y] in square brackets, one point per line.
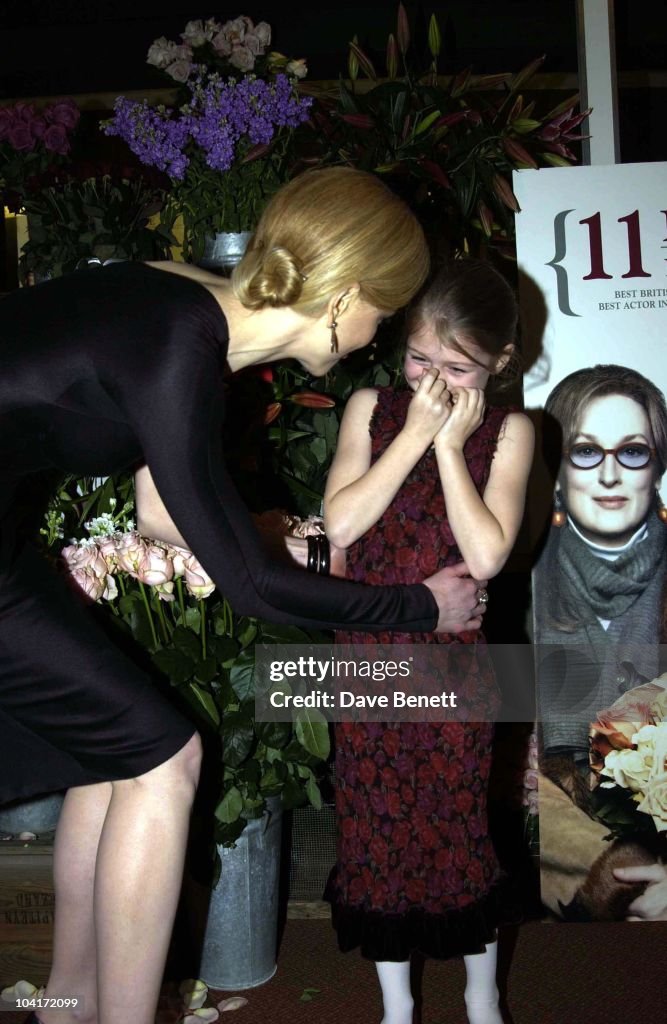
[55, 139]
[20, 136]
[64, 112]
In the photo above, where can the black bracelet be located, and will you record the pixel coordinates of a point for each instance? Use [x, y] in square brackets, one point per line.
[313, 554]
[325, 555]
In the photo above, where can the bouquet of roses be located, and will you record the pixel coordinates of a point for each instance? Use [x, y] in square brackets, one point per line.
[628, 753]
[31, 141]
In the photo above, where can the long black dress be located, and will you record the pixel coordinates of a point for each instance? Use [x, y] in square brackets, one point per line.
[99, 371]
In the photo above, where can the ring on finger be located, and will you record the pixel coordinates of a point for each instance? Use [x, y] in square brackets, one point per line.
[483, 596]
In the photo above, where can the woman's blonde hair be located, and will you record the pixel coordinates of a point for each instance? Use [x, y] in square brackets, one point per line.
[325, 230]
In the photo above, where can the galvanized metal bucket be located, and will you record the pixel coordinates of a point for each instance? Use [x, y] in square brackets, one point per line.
[37, 815]
[223, 251]
[239, 949]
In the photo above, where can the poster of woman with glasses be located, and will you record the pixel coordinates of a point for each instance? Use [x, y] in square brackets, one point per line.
[599, 581]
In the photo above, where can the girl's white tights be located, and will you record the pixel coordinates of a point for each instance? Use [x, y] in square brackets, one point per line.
[397, 998]
[481, 992]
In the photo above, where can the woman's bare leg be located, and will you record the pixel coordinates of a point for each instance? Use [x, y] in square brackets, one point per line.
[138, 874]
[73, 972]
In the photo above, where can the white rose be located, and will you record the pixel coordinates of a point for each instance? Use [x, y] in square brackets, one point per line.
[242, 58]
[628, 768]
[160, 53]
[263, 33]
[297, 68]
[195, 33]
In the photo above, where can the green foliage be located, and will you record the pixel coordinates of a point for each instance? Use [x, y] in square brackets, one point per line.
[449, 146]
[104, 218]
[207, 653]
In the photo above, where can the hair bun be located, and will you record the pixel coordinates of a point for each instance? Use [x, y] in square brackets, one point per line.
[268, 278]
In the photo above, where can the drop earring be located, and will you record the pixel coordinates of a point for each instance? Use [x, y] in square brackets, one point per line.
[660, 510]
[334, 337]
[559, 515]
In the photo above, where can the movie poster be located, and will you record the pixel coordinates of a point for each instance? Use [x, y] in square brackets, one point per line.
[592, 250]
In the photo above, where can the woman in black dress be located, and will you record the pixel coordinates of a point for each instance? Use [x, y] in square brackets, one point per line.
[124, 366]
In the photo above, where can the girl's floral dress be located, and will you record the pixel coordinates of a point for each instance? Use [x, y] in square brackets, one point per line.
[416, 869]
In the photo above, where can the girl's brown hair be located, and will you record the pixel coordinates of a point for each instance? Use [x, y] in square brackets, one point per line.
[469, 300]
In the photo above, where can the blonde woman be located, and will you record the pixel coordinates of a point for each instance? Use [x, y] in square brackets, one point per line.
[124, 367]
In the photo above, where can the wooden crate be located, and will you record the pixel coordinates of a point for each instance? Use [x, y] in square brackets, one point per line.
[26, 910]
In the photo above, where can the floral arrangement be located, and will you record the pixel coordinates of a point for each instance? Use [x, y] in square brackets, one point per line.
[107, 216]
[163, 597]
[226, 147]
[31, 141]
[448, 146]
[628, 755]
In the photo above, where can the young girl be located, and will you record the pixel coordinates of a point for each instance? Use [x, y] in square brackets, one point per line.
[421, 475]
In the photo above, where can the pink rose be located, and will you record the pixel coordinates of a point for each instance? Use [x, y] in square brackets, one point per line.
[156, 568]
[242, 58]
[131, 553]
[88, 583]
[253, 43]
[180, 70]
[237, 28]
[55, 139]
[6, 122]
[178, 557]
[199, 584]
[20, 136]
[24, 111]
[64, 112]
[85, 556]
[38, 127]
[222, 44]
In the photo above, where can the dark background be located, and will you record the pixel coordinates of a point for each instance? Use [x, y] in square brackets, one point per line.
[59, 47]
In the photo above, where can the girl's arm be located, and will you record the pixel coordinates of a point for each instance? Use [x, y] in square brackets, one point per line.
[484, 528]
[358, 493]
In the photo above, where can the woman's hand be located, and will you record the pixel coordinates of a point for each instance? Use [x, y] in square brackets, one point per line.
[457, 595]
[652, 904]
[429, 408]
[467, 413]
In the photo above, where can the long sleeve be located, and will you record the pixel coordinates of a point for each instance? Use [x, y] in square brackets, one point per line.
[173, 401]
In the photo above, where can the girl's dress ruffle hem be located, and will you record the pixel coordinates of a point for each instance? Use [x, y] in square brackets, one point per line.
[452, 933]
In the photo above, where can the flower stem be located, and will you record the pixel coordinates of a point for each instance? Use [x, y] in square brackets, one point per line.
[202, 626]
[181, 599]
[163, 621]
[149, 613]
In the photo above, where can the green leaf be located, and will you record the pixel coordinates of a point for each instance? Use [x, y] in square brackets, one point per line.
[274, 734]
[207, 703]
[193, 619]
[242, 675]
[230, 807]
[186, 642]
[293, 794]
[313, 793]
[238, 737]
[207, 669]
[312, 732]
[175, 664]
[248, 633]
[427, 122]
